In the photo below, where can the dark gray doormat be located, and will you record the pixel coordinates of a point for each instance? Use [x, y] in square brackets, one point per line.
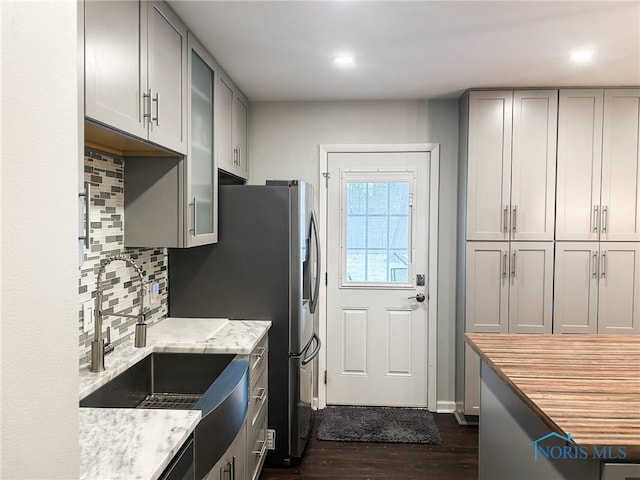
[378, 424]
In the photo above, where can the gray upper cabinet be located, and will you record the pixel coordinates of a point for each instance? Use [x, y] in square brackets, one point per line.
[232, 129]
[598, 194]
[201, 165]
[136, 70]
[171, 201]
[113, 66]
[511, 165]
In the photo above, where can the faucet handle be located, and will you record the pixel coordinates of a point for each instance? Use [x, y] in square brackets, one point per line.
[108, 339]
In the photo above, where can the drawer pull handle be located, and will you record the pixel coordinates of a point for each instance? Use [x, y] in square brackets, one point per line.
[261, 397]
[262, 350]
[260, 452]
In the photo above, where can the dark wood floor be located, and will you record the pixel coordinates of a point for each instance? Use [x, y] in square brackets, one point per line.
[456, 458]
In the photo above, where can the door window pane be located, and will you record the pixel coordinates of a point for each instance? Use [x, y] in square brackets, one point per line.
[378, 232]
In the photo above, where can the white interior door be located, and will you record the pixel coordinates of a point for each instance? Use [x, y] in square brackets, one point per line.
[377, 251]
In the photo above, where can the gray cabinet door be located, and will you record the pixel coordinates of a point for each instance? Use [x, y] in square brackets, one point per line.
[201, 167]
[226, 158]
[167, 78]
[113, 66]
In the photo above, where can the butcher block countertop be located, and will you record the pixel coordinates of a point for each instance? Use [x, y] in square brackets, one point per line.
[585, 385]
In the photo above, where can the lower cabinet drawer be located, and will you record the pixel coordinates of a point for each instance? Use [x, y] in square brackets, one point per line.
[257, 445]
[258, 396]
[258, 356]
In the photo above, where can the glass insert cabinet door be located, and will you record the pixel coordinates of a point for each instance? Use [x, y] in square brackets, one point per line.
[377, 240]
[202, 182]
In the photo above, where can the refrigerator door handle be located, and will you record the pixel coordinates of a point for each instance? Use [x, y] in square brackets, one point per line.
[313, 301]
[303, 352]
[315, 352]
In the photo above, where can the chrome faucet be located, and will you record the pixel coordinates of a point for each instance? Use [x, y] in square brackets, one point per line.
[98, 344]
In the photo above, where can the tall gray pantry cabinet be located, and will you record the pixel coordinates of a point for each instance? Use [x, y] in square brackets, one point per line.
[536, 253]
[505, 252]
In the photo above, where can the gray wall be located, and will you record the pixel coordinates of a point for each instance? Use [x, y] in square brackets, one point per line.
[283, 143]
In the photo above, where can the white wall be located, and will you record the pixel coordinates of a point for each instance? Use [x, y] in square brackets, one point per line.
[284, 139]
[38, 250]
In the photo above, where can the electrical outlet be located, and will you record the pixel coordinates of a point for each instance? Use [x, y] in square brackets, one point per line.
[271, 439]
[152, 294]
[87, 316]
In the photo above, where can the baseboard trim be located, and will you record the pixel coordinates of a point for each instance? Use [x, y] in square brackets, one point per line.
[445, 406]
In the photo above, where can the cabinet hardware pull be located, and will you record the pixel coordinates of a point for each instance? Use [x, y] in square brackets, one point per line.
[261, 397]
[604, 264]
[193, 223]
[156, 99]
[260, 452]
[514, 219]
[594, 273]
[86, 194]
[233, 468]
[605, 217]
[504, 264]
[513, 265]
[595, 218]
[146, 106]
[505, 219]
[262, 350]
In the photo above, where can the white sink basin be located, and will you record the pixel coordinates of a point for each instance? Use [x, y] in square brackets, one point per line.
[184, 330]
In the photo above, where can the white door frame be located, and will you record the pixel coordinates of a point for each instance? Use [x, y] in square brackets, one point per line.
[432, 330]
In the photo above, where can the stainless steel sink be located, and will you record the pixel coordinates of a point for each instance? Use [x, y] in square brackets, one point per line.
[215, 384]
[158, 376]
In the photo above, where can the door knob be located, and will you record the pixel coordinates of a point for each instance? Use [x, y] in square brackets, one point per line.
[419, 297]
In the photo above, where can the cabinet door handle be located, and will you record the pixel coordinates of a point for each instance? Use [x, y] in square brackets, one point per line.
[260, 452]
[263, 393]
[193, 223]
[604, 265]
[605, 217]
[156, 99]
[505, 218]
[233, 468]
[513, 264]
[504, 264]
[595, 218]
[514, 219]
[594, 272]
[146, 106]
[87, 223]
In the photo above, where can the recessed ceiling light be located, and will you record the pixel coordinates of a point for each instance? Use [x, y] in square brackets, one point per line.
[343, 61]
[581, 56]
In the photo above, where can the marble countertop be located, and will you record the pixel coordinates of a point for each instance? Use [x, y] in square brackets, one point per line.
[140, 443]
[129, 443]
[179, 335]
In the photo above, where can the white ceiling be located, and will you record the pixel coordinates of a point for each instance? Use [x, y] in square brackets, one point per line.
[275, 50]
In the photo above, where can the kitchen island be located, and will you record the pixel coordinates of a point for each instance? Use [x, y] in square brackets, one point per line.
[140, 443]
[558, 406]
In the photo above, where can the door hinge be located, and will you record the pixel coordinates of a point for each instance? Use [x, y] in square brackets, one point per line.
[326, 176]
[326, 279]
[325, 377]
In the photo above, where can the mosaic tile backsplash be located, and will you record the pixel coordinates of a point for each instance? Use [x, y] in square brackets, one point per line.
[120, 282]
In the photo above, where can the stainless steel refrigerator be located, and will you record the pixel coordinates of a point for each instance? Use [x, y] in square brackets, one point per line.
[264, 267]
